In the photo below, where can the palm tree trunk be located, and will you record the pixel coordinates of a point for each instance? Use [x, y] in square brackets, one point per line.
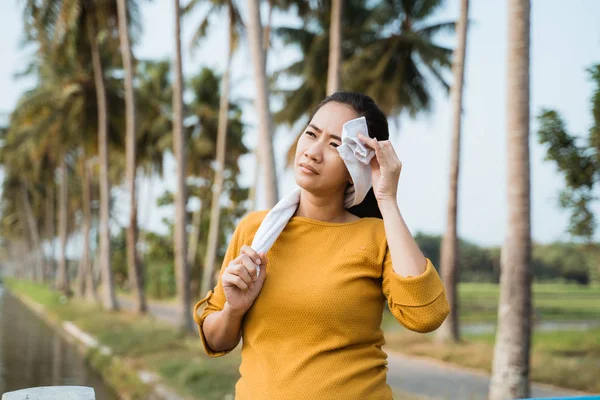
[449, 331]
[181, 266]
[83, 281]
[252, 191]
[34, 234]
[109, 299]
[262, 103]
[89, 288]
[194, 236]
[510, 370]
[49, 225]
[215, 208]
[133, 261]
[267, 31]
[62, 275]
[84, 260]
[335, 48]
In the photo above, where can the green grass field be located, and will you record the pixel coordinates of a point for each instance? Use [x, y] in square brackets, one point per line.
[478, 302]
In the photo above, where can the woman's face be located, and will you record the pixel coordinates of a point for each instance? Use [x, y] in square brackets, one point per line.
[317, 150]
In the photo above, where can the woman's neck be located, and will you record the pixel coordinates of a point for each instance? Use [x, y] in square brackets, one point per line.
[325, 209]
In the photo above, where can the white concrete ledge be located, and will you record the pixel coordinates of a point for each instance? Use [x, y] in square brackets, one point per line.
[52, 393]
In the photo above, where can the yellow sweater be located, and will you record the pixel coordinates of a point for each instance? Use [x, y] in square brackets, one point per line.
[314, 332]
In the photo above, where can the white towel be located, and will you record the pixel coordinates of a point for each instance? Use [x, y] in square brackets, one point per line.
[357, 158]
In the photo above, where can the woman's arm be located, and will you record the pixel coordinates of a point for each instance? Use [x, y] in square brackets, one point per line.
[407, 258]
[223, 329]
[411, 285]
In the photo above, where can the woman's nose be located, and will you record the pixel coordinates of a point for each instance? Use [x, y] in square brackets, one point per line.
[314, 151]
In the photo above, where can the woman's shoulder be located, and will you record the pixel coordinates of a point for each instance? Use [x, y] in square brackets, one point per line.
[252, 220]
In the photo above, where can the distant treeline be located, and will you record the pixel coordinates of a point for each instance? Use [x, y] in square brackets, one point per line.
[567, 262]
[556, 262]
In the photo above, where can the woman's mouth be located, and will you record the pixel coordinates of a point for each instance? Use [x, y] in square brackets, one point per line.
[307, 169]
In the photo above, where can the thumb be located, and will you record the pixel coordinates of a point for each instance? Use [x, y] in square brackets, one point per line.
[263, 258]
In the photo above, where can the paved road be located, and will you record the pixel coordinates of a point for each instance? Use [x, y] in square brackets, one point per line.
[443, 381]
[408, 374]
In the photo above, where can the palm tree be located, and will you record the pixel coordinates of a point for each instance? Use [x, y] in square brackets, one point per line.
[109, 298]
[59, 19]
[208, 110]
[36, 138]
[449, 331]
[85, 277]
[62, 278]
[265, 129]
[235, 25]
[303, 10]
[181, 265]
[133, 262]
[386, 51]
[510, 369]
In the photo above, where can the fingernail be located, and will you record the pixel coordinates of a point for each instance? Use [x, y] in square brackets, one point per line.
[258, 261]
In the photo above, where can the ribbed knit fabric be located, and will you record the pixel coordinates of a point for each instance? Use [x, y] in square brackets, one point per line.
[314, 332]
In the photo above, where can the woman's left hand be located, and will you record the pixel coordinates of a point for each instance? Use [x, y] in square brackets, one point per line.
[385, 168]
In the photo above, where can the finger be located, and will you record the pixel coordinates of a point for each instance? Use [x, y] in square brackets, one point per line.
[250, 266]
[249, 251]
[370, 142]
[391, 158]
[234, 280]
[382, 153]
[243, 272]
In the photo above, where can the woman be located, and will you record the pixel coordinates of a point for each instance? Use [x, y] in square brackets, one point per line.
[311, 318]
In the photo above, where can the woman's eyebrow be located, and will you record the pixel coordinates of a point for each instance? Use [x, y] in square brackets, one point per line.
[320, 130]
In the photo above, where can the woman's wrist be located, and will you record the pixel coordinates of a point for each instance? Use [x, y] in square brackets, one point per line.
[232, 312]
[387, 207]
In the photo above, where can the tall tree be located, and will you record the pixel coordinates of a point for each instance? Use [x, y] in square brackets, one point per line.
[265, 123]
[510, 369]
[133, 262]
[579, 163]
[234, 28]
[109, 297]
[181, 266]
[62, 276]
[388, 52]
[204, 134]
[449, 331]
[57, 23]
[304, 9]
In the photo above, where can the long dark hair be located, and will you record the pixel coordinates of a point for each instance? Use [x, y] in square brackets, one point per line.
[377, 124]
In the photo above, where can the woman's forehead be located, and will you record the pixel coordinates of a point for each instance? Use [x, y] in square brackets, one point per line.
[332, 116]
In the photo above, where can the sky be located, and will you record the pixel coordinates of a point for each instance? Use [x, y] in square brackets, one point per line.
[565, 41]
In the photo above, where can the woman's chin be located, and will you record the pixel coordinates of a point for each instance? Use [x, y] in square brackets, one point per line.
[305, 181]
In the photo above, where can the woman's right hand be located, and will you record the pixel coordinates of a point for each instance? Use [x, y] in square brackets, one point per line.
[240, 284]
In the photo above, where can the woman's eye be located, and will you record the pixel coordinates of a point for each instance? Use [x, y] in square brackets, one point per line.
[309, 133]
[334, 144]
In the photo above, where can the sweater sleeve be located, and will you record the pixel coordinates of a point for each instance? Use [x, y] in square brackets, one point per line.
[418, 303]
[215, 299]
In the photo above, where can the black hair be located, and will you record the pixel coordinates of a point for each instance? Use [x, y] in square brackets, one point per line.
[377, 124]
